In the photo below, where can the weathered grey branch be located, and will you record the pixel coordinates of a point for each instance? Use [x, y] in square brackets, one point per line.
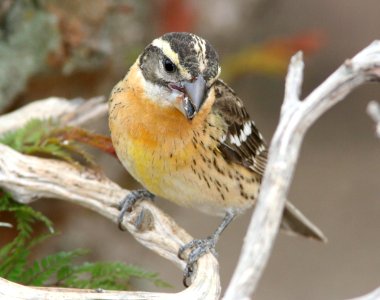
[73, 112]
[296, 118]
[5, 224]
[373, 109]
[374, 295]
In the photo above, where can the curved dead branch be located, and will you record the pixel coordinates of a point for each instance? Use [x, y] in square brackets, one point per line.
[296, 118]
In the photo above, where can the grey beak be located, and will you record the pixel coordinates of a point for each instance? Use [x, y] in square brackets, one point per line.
[196, 91]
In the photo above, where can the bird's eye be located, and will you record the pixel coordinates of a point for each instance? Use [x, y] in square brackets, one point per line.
[169, 66]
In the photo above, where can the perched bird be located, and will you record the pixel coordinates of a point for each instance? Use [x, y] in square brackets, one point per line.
[185, 136]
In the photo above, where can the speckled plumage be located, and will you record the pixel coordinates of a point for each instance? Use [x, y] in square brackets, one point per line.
[185, 161]
[212, 160]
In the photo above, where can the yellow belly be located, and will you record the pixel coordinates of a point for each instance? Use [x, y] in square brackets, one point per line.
[153, 167]
[174, 176]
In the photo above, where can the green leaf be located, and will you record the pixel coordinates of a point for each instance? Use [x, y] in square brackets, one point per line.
[45, 138]
[109, 275]
[43, 270]
[13, 256]
[13, 265]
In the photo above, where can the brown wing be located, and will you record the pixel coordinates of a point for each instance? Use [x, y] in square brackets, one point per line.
[242, 143]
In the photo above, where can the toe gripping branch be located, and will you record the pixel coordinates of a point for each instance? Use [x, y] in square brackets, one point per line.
[198, 248]
[126, 205]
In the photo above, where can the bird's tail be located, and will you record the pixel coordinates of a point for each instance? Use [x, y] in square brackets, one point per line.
[294, 222]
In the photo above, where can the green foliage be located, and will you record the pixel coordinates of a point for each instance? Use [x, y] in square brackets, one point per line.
[107, 275]
[58, 269]
[45, 138]
[13, 256]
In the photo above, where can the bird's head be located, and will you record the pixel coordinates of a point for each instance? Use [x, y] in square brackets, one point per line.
[179, 69]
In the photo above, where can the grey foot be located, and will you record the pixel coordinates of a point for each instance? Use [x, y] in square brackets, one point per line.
[198, 249]
[129, 201]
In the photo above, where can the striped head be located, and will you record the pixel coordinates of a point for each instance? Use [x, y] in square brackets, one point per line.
[179, 69]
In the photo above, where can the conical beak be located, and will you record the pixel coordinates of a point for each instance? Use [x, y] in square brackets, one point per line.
[195, 92]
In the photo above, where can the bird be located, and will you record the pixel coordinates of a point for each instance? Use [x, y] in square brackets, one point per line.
[187, 137]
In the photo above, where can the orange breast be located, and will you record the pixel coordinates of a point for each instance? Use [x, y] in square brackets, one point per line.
[151, 140]
[144, 120]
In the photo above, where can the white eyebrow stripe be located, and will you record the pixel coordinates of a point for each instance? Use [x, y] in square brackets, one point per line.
[173, 56]
[166, 49]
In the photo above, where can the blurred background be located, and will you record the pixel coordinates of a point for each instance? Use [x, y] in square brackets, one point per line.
[78, 48]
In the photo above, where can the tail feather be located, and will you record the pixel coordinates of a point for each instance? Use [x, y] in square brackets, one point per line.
[294, 222]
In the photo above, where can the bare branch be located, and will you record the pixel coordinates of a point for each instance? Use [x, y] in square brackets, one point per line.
[5, 224]
[73, 112]
[374, 295]
[293, 84]
[86, 112]
[283, 156]
[14, 291]
[373, 109]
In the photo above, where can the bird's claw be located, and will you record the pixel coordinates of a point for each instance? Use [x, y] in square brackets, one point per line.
[198, 248]
[129, 201]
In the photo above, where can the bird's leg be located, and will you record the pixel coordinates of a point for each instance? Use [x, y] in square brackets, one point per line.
[202, 246]
[127, 203]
